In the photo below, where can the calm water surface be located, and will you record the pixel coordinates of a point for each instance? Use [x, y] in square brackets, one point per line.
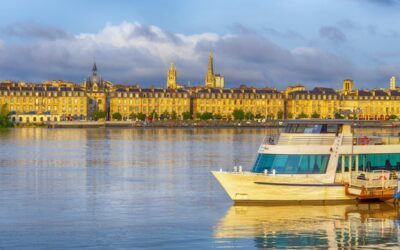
[152, 188]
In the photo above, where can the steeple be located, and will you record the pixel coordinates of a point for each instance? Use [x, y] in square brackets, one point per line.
[210, 81]
[94, 68]
[94, 72]
[171, 77]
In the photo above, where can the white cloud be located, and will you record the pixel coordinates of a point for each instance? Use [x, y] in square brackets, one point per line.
[133, 52]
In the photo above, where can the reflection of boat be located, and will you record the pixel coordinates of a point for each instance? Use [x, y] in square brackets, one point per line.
[317, 161]
[330, 226]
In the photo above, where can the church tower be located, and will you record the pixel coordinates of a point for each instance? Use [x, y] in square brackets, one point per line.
[171, 77]
[210, 78]
[347, 86]
[393, 83]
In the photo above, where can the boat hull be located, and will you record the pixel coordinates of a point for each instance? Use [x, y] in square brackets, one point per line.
[248, 188]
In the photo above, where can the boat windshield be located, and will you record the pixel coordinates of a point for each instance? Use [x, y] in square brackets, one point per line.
[312, 128]
[291, 164]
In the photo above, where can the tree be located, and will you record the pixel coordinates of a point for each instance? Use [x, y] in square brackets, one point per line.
[238, 114]
[117, 116]
[280, 114]
[132, 116]
[259, 116]
[207, 116]
[174, 116]
[198, 115]
[154, 115]
[97, 115]
[339, 116]
[141, 116]
[249, 116]
[186, 115]
[392, 117]
[217, 116]
[165, 115]
[289, 116]
[302, 115]
[315, 115]
[5, 117]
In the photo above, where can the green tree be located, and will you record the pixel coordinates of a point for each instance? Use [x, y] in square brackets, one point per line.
[186, 115]
[198, 115]
[174, 116]
[302, 115]
[217, 116]
[280, 114]
[141, 116]
[393, 117]
[238, 114]
[259, 116]
[165, 115]
[117, 116]
[289, 116]
[132, 116]
[249, 116]
[315, 115]
[154, 115]
[97, 115]
[339, 116]
[5, 116]
[207, 116]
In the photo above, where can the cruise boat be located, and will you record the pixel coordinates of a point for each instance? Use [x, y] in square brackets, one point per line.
[318, 162]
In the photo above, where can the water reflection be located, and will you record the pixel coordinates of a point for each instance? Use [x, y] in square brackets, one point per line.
[334, 226]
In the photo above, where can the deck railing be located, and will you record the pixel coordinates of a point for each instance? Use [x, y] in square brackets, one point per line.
[305, 139]
[300, 139]
[378, 179]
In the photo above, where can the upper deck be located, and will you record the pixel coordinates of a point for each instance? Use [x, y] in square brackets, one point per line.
[327, 133]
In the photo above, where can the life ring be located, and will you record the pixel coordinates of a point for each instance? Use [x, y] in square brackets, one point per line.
[364, 140]
[382, 177]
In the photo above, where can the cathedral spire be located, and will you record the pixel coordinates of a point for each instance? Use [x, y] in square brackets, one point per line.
[94, 69]
[171, 77]
[209, 81]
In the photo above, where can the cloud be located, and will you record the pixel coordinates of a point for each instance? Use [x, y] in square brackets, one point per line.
[137, 53]
[333, 34]
[34, 30]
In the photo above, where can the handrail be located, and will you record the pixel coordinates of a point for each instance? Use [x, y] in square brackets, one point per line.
[303, 139]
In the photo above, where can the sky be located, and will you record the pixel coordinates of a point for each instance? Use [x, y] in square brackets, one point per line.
[260, 43]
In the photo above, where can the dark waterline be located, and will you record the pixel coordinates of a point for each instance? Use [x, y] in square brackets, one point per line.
[152, 188]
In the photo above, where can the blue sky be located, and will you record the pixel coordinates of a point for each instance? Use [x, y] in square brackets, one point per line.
[260, 43]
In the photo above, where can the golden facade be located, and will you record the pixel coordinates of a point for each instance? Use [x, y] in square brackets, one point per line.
[264, 102]
[129, 101]
[66, 100]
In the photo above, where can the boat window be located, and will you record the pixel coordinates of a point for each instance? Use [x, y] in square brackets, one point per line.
[370, 162]
[312, 128]
[291, 164]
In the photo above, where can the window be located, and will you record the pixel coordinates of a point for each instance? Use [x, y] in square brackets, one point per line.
[291, 164]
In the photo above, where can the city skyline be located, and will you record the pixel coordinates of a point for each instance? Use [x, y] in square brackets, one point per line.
[136, 42]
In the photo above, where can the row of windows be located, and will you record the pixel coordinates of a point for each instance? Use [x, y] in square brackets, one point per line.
[245, 96]
[49, 94]
[151, 95]
[370, 162]
[150, 101]
[291, 164]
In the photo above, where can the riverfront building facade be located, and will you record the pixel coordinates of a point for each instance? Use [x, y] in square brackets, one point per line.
[64, 101]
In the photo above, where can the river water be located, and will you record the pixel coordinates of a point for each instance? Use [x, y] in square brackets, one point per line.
[152, 188]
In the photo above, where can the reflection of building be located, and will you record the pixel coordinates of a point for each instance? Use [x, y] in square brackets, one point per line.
[318, 226]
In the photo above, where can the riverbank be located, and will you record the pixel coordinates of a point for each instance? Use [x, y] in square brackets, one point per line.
[187, 124]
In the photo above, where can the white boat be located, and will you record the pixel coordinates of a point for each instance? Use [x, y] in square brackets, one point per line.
[317, 162]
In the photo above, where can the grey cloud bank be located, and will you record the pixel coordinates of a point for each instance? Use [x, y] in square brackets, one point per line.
[137, 53]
